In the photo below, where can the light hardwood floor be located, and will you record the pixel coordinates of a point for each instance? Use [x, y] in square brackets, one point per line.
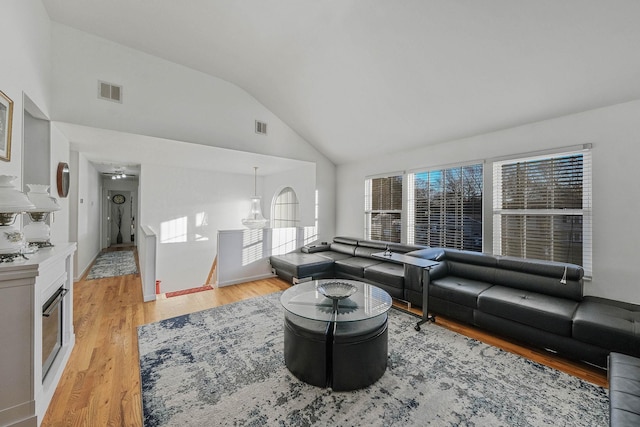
[101, 383]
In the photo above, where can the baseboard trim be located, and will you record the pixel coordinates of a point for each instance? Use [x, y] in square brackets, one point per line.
[245, 279]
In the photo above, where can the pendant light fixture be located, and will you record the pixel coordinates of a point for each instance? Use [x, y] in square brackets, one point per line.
[255, 219]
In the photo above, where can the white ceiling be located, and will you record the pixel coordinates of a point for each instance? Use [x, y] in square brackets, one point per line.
[365, 77]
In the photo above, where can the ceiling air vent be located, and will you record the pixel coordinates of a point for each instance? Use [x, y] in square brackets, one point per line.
[109, 91]
[261, 127]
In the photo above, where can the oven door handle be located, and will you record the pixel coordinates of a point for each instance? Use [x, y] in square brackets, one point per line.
[57, 299]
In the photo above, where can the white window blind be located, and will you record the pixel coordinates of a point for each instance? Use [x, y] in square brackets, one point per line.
[542, 208]
[445, 207]
[383, 208]
[286, 209]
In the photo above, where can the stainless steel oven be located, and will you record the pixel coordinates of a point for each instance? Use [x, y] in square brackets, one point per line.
[52, 328]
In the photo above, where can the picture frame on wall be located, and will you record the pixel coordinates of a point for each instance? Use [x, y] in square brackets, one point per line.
[6, 117]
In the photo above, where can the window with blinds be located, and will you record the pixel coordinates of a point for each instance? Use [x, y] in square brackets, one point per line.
[383, 208]
[445, 208]
[284, 219]
[286, 209]
[542, 208]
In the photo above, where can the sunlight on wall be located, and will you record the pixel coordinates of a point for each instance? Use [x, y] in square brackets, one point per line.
[251, 246]
[201, 223]
[174, 231]
[310, 234]
[179, 230]
[283, 240]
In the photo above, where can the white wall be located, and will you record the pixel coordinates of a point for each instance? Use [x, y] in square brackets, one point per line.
[60, 219]
[615, 134]
[25, 68]
[170, 101]
[167, 100]
[186, 208]
[303, 181]
[89, 190]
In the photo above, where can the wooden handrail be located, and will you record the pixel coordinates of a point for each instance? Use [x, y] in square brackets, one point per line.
[212, 279]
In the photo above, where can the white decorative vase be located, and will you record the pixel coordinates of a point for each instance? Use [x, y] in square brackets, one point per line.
[12, 203]
[38, 230]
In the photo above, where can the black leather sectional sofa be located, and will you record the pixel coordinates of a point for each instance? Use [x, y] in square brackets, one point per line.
[624, 390]
[535, 302]
[348, 258]
[540, 303]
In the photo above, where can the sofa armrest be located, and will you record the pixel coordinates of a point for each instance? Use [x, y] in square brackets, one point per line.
[310, 249]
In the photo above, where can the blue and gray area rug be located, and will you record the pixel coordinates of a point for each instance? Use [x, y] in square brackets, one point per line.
[225, 366]
[111, 264]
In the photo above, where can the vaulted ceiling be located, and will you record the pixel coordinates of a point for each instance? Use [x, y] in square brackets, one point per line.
[360, 78]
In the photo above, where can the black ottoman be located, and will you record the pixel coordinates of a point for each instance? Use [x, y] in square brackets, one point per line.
[305, 349]
[359, 353]
[350, 356]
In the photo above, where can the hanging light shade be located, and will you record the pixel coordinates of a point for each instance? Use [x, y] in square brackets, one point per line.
[255, 219]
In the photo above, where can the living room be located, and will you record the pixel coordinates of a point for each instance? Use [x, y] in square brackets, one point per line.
[572, 66]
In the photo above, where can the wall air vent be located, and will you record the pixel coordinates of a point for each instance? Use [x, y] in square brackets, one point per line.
[109, 91]
[261, 127]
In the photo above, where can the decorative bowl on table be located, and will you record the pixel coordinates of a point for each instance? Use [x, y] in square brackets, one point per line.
[337, 290]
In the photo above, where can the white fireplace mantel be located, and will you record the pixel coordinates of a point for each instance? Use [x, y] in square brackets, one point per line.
[25, 285]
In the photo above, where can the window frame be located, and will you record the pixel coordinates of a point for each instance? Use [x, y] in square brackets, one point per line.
[369, 212]
[411, 199]
[586, 212]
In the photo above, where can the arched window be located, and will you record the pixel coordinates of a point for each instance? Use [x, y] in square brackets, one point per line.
[285, 210]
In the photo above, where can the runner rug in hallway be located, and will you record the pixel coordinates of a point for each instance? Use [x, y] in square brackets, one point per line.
[111, 264]
[225, 366]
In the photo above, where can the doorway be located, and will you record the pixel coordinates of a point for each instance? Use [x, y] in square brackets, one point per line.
[120, 211]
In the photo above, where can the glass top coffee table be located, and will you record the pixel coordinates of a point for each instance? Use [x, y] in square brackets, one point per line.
[307, 300]
[335, 333]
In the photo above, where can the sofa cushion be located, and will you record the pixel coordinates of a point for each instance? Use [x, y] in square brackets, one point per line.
[404, 248]
[610, 324]
[333, 256]
[343, 248]
[386, 272]
[469, 257]
[624, 390]
[541, 268]
[435, 254]
[346, 240]
[366, 252]
[541, 311]
[541, 276]
[354, 266]
[300, 264]
[459, 290]
[481, 273]
[374, 244]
